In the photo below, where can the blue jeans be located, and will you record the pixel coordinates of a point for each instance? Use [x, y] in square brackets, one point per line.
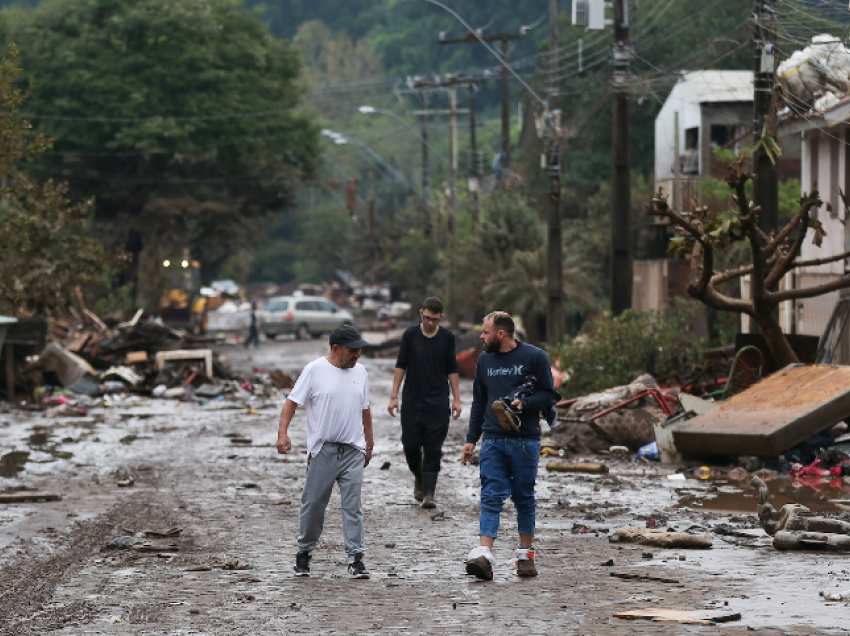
[508, 468]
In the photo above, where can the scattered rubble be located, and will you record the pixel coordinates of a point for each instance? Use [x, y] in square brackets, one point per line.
[795, 527]
[659, 538]
[89, 359]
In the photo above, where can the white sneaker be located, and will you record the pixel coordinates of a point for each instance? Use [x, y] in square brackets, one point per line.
[479, 563]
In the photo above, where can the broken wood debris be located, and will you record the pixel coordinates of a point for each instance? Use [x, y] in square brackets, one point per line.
[577, 467]
[659, 538]
[22, 496]
[643, 577]
[698, 617]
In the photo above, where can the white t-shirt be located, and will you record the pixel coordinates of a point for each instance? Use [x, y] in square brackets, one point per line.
[335, 400]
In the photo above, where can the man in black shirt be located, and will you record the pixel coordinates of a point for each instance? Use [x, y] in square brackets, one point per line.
[427, 357]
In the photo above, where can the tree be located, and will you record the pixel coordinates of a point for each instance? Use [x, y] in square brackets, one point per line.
[702, 234]
[45, 252]
[178, 116]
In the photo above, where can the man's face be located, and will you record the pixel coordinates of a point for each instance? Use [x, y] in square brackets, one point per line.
[347, 357]
[490, 338]
[430, 320]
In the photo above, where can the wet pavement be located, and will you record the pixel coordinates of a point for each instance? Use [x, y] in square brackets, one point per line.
[213, 471]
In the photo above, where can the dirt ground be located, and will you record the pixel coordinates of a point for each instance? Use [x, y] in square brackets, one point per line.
[240, 501]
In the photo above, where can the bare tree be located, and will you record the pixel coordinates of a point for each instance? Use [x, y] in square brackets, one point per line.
[701, 234]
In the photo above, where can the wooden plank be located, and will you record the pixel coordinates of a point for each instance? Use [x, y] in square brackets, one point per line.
[20, 497]
[642, 577]
[579, 467]
[680, 616]
[774, 415]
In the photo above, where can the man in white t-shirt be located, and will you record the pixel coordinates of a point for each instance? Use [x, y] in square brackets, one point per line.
[335, 392]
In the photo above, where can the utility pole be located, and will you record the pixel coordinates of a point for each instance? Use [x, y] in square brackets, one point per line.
[426, 177]
[453, 159]
[766, 186]
[621, 250]
[450, 83]
[554, 265]
[504, 38]
[473, 158]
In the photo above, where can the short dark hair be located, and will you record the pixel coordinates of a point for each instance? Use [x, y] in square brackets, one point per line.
[433, 304]
[501, 320]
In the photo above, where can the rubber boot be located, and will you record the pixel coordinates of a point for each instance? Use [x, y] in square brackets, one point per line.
[429, 485]
[418, 494]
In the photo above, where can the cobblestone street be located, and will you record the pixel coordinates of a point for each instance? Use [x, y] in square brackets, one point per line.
[240, 502]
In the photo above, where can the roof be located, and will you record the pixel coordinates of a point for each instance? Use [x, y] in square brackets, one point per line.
[700, 87]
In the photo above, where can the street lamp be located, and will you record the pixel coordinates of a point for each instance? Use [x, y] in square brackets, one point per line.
[342, 140]
[370, 110]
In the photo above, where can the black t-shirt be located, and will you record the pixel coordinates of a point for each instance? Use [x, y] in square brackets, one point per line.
[428, 362]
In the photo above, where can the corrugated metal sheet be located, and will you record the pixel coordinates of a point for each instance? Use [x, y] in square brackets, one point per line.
[773, 416]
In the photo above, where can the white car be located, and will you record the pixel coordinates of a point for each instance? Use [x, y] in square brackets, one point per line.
[304, 316]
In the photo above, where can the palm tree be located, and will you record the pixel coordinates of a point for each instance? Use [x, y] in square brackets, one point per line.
[521, 288]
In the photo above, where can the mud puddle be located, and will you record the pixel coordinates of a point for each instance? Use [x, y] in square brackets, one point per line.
[13, 463]
[720, 495]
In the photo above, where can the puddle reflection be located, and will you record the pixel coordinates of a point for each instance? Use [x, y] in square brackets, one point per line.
[817, 494]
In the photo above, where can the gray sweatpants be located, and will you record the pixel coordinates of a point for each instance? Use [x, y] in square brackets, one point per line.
[343, 464]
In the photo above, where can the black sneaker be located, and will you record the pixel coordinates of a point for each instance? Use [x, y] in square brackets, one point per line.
[302, 563]
[356, 568]
[507, 415]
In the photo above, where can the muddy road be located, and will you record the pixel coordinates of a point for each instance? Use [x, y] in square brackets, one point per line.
[238, 502]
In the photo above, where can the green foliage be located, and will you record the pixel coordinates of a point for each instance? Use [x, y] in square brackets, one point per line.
[508, 225]
[162, 88]
[325, 243]
[614, 351]
[45, 254]
[417, 270]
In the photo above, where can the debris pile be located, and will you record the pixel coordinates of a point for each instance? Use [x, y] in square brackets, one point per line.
[621, 416]
[89, 358]
[816, 77]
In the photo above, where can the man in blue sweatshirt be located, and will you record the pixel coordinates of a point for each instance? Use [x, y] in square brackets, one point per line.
[512, 390]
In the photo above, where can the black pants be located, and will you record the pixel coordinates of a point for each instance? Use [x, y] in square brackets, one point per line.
[253, 336]
[423, 432]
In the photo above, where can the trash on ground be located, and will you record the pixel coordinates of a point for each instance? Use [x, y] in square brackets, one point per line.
[172, 532]
[235, 565]
[154, 549]
[126, 483]
[696, 617]
[648, 453]
[620, 416]
[643, 577]
[22, 496]
[795, 527]
[836, 596]
[659, 538]
[120, 543]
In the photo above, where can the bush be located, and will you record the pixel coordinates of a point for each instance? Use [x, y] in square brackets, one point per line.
[614, 351]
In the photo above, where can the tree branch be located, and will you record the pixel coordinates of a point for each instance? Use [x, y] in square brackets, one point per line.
[821, 261]
[809, 292]
[806, 204]
[729, 274]
[660, 208]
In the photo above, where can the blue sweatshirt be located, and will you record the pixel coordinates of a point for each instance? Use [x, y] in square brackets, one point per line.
[499, 374]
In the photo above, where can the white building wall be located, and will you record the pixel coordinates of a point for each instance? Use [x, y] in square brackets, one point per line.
[665, 126]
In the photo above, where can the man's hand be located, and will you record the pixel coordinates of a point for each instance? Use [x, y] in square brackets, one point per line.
[368, 456]
[283, 444]
[456, 409]
[517, 404]
[466, 453]
[392, 409]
